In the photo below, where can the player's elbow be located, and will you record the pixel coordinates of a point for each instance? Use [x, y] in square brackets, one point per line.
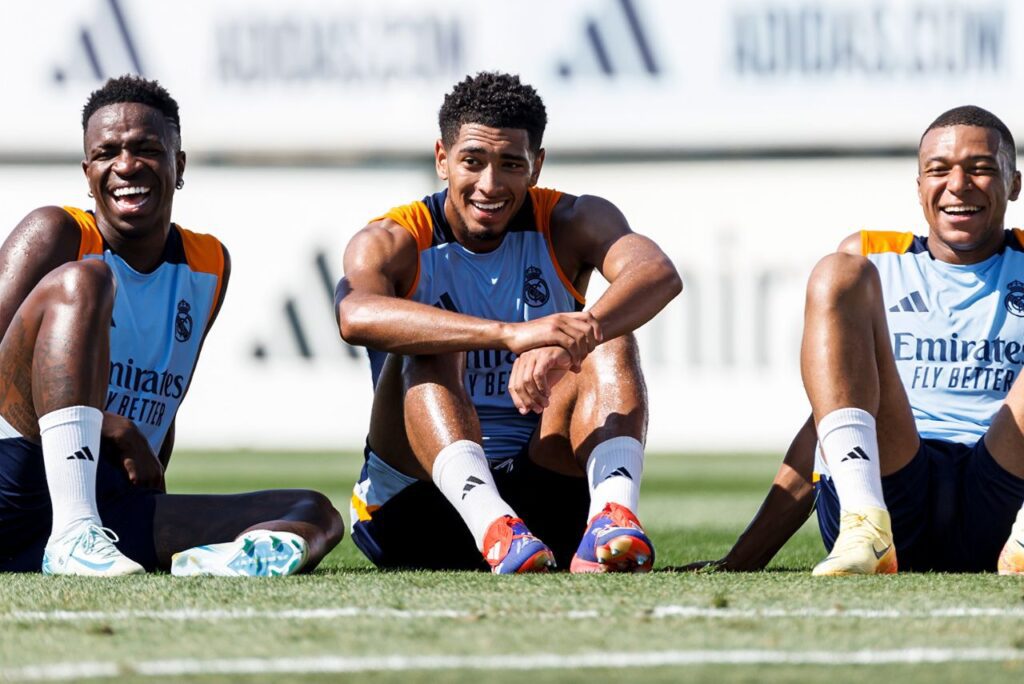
[670, 283]
[349, 322]
[354, 322]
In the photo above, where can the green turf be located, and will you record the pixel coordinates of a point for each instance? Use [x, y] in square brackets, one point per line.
[693, 506]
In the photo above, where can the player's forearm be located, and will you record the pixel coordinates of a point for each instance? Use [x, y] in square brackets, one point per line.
[785, 508]
[634, 298]
[401, 326]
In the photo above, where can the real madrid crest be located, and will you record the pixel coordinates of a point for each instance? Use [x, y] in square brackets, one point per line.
[535, 288]
[1014, 300]
[183, 322]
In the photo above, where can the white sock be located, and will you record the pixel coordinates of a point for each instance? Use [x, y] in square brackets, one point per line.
[463, 476]
[850, 444]
[71, 450]
[613, 471]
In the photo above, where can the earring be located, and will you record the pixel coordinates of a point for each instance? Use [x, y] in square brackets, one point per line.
[90, 193]
[180, 184]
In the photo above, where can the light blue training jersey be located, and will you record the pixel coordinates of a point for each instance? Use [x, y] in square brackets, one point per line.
[159, 321]
[957, 332]
[518, 281]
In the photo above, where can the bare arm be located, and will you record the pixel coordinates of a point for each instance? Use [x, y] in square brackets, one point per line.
[786, 507]
[380, 268]
[590, 232]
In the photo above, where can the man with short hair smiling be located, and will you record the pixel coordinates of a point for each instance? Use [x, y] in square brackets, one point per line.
[500, 393]
[911, 359]
[103, 315]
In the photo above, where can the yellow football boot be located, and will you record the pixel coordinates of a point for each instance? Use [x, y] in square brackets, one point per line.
[863, 547]
[1011, 559]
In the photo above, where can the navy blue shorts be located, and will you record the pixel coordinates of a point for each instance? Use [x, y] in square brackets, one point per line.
[26, 515]
[952, 508]
[417, 527]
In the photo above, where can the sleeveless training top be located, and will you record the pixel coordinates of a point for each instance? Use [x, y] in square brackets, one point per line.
[518, 281]
[159, 322]
[956, 331]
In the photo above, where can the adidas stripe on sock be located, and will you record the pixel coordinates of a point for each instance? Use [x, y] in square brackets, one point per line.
[850, 444]
[71, 447]
[462, 474]
[613, 472]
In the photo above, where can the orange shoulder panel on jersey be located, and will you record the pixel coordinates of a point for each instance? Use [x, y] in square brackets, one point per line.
[1019, 234]
[877, 241]
[544, 201]
[204, 254]
[92, 241]
[416, 219]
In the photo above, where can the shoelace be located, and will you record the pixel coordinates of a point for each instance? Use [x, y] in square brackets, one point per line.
[99, 540]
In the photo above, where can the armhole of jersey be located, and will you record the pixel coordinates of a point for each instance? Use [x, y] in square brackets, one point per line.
[878, 241]
[92, 241]
[415, 218]
[204, 254]
[1019, 234]
[544, 201]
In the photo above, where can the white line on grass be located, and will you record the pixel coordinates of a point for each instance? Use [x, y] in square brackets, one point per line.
[194, 614]
[885, 613]
[540, 661]
[684, 612]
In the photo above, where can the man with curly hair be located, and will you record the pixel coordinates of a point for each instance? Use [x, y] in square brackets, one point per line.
[508, 424]
[103, 314]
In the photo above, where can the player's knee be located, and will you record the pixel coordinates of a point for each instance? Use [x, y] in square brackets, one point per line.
[439, 368]
[616, 360]
[623, 350]
[841, 277]
[317, 509]
[89, 284]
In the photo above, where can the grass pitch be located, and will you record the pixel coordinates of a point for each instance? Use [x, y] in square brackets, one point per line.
[779, 625]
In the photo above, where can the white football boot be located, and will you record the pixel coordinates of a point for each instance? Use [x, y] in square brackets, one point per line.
[259, 553]
[87, 549]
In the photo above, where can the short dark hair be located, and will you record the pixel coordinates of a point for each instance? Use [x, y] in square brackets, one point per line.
[131, 88]
[970, 115]
[493, 99]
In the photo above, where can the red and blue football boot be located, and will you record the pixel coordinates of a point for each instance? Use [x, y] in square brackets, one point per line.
[510, 548]
[614, 542]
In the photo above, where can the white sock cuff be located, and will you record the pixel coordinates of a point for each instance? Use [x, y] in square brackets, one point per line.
[845, 417]
[624, 446]
[86, 415]
[454, 453]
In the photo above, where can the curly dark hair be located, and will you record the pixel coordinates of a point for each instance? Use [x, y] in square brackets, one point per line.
[131, 88]
[970, 115]
[493, 99]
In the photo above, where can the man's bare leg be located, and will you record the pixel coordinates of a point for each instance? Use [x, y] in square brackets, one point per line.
[1005, 441]
[208, 533]
[864, 422]
[596, 425]
[54, 359]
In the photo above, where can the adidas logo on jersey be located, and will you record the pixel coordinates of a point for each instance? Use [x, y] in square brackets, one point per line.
[912, 302]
